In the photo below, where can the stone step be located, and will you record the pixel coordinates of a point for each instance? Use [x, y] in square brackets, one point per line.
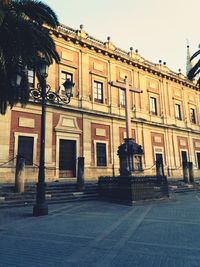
[52, 201]
[63, 190]
[50, 198]
[49, 186]
[182, 189]
[26, 196]
[55, 193]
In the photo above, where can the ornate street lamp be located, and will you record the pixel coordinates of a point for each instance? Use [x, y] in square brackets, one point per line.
[44, 94]
[68, 88]
[43, 68]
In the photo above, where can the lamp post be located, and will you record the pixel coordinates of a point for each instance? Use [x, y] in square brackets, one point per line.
[41, 206]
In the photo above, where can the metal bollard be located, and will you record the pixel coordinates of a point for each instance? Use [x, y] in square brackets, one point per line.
[19, 174]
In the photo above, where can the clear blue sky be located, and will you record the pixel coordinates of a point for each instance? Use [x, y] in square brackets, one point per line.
[157, 28]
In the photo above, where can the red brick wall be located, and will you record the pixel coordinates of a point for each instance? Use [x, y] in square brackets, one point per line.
[121, 79]
[94, 126]
[15, 115]
[180, 138]
[153, 140]
[74, 54]
[182, 146]
[56, 118]
[122, 131]
[104, 72]
[195, 141]
[155, 88]
[155, 143]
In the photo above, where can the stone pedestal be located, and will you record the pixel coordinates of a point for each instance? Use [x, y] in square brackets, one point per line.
[126, 153]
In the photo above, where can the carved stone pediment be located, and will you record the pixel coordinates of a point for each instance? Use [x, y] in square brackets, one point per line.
[67, 124]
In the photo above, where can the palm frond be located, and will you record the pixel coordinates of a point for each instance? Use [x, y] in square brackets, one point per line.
[192, 73]
[36, 11]
[2, 15]
[29, 40]
[23, 39]
[195, 55]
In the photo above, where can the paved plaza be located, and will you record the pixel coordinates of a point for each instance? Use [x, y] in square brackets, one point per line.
[104, 234]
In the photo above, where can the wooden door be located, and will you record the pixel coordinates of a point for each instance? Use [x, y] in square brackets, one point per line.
[67, 158]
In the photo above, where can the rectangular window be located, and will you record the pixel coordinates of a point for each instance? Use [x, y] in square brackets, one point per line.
[192, 115]
[101, 154]
[25, 148]
[98, 91]
[153, 105]
[64, 76]
[122, 97]
[198, 160]
[31, 78]
[178, 111]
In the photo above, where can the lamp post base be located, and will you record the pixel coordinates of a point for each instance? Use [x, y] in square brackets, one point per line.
[40, 209]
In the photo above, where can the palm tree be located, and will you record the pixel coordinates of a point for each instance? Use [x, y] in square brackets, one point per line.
[195, 70]
[25, 39]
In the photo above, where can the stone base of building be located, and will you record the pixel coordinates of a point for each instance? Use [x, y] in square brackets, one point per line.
[7, 174]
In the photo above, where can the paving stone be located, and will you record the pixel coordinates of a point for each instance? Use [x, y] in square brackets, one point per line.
[100, 234]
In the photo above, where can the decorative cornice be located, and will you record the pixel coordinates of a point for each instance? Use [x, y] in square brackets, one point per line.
[119, 117]
[81, 38]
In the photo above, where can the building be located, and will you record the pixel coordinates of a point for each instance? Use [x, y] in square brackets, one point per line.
[164, 109]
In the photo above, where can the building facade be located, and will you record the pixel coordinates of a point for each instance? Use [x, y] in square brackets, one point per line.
[164, 108]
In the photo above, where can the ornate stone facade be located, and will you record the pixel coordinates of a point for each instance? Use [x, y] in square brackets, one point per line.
[164, 108]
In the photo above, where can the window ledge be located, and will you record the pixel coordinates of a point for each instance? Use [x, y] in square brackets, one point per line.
[100, 167]
[153, 114]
